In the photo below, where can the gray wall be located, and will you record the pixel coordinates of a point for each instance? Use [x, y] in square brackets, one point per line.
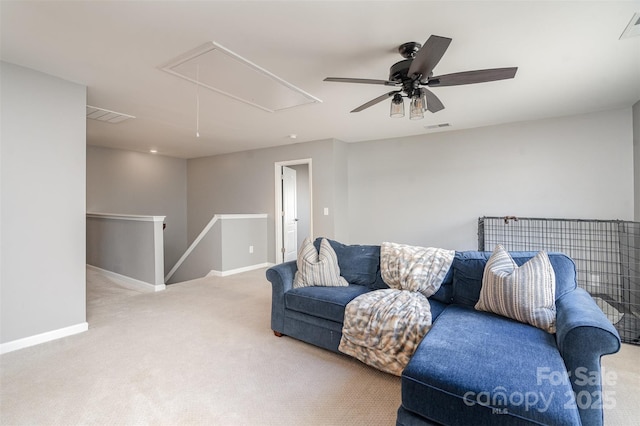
[244, 182]
[42, 286]
[204, 258]
[236, 237]
[225, 248]
[127, 247]
[341, 202]
[431, 189]
[636, 159]
[128, 182]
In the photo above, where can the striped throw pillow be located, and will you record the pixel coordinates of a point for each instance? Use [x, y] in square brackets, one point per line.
[318, 269]
[525, 293]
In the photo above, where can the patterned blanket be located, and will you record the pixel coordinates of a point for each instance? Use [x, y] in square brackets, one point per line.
[383, 328]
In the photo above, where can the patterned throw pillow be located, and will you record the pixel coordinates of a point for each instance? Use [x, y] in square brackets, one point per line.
[414, 268]
[525, 293]
[318, 269]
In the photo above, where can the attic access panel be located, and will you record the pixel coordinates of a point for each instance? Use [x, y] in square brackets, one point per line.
[217, 68]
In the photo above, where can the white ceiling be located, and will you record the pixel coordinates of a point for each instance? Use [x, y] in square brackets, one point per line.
[569, 55]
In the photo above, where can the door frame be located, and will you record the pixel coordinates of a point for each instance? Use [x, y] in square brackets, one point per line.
[278, 202]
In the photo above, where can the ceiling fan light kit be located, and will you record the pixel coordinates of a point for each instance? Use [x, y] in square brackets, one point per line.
[397, 106]
[416, 112]
[414, 74]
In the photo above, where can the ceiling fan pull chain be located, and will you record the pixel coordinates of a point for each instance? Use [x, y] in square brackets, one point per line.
[198, 99]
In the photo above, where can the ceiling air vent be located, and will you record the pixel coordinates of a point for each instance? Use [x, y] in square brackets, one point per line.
[437, 126]
[109, 116]
[633, 29]
[219, 69]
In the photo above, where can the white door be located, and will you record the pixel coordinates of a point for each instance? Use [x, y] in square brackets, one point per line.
[289, 215]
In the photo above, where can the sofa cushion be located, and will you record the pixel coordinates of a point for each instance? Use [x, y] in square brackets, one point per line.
[445, 292]
[323, 302]
[379, 283]
[359, 264]
[524, 293]
[468, 268]
[318, 267]
[436, 308]
[476, 368]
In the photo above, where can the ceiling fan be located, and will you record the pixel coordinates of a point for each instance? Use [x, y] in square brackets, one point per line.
[414, 74]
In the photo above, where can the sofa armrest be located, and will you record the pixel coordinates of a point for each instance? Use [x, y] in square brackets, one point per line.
[281, 278]
[583, 335]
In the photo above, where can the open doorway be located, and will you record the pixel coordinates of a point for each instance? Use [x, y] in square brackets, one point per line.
[294, 200]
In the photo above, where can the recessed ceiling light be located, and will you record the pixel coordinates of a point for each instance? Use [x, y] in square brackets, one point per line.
[217, 68]
[153, 151]
[293, 136]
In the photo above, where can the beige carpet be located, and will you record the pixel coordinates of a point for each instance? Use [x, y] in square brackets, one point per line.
[621, 384]
[202, 352]
[199, 353]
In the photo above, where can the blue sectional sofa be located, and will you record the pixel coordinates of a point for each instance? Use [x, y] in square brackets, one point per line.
[472, 367]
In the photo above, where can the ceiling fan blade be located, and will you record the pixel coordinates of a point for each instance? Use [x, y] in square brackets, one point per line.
[428, 56]
[361, 80]
[375, 101]
[471, 77]
[433, 103]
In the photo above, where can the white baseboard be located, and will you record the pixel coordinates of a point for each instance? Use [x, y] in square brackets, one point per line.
[214, 273]
[135, 283]
[43, 337]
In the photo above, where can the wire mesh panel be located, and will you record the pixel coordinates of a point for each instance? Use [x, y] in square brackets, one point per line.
[606, 254]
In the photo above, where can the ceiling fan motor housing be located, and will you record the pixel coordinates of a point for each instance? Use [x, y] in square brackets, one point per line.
[399, 73]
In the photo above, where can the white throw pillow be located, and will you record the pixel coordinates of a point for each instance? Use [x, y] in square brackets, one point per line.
[318, 269]
[525, 293]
